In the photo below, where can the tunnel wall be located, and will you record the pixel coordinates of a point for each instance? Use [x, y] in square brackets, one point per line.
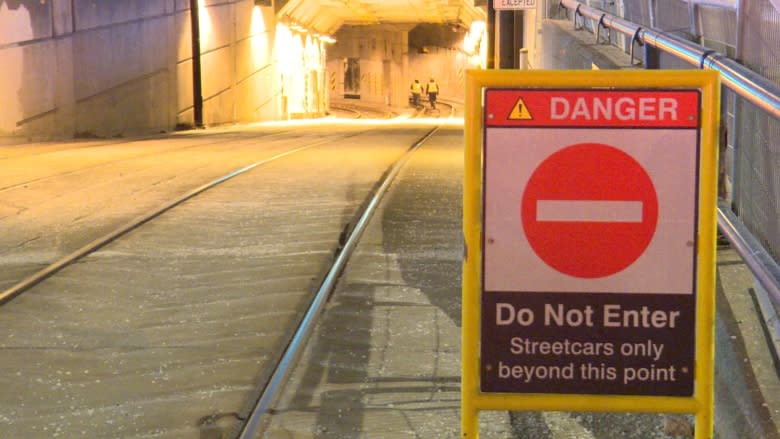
[446, 65]
[382, 52]
[388, 66]
[113, 68]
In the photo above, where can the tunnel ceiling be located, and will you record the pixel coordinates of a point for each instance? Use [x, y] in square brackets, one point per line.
[327, 16]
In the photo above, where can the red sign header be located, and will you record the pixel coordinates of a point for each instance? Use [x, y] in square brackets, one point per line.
[592, 108]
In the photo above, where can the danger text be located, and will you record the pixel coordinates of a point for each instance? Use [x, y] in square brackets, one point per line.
[624, 108]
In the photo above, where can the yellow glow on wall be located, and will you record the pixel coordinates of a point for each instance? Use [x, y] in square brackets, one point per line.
[258, 23]
[475, 44]
[206, 28]
[300, 63]
[289, 52]
[259, 39]
[312, 53]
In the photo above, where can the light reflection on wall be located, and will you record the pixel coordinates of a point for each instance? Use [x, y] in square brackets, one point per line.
[289, 61]
[475, 44]
[300, 61]
[206, 28]
[15, 26]
[259, 39]
[258, 24]
[313, 64]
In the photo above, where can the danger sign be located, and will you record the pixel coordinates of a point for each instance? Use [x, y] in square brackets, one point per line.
[601, 219]
[589, 203]
[589, 210]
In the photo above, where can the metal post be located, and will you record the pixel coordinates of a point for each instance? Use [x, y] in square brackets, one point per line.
[651, 4]
[519, 28]
[506, 39]
[491, 36]
[197, 96]
[652, 57]
[523, 59]
[740, 43]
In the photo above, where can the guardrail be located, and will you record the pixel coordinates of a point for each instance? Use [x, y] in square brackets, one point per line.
[737, 78]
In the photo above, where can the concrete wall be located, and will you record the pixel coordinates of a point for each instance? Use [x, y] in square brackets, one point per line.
[560, 47]
[383, 60]
[388, 65]
[115, 68]
[300, 66]
[447, 66]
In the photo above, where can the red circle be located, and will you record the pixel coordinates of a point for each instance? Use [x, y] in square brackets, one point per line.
[589, 172]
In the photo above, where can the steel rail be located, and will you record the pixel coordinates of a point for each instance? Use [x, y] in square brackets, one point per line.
[357, 114]
[449, 104]
[738, 78]
[295, 347]
[37, 277]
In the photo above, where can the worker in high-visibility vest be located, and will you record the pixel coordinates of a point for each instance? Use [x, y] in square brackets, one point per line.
[416, 93]
[432, 90]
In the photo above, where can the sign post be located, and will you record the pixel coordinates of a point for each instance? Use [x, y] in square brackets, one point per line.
[589, 216]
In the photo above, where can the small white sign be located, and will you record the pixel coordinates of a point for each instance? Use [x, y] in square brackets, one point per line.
[513, 5]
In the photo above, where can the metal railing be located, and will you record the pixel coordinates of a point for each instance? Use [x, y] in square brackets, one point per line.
[738, 78]
[751, 86]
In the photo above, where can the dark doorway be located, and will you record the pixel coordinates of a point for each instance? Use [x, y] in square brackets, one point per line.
[352, 78]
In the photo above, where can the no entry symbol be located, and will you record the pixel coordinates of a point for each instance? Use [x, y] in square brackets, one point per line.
[589, 210]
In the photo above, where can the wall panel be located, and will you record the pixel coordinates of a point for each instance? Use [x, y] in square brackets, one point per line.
[108, 68]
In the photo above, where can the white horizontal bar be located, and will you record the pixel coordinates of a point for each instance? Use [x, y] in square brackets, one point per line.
[589, 211]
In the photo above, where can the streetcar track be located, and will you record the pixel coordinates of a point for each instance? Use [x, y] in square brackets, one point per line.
[348, 109]
[134, 191]
[130, 158]
[349, 240]
[146, 329]
[94, 245]
[79, 144]
[424, 111]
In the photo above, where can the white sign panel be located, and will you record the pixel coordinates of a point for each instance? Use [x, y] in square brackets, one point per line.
[513, 5]
[589, 241]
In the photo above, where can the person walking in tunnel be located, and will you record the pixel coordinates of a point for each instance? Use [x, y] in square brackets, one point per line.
[432, 90]
[416, 93]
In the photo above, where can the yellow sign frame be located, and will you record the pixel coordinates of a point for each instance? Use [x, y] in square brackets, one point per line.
[701, 403]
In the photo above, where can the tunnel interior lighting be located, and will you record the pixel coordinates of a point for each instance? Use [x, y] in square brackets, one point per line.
[474, 37]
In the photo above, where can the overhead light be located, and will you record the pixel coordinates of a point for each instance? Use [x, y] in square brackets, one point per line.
[327, 39]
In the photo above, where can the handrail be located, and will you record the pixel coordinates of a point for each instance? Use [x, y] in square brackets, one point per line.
[764, 268]
[755, 88]
[738, 78]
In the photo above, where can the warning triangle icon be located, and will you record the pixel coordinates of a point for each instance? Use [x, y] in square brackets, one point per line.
[520, 111]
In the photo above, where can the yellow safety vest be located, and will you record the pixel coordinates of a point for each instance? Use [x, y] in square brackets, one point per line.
[433, 87]
[416, 88]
